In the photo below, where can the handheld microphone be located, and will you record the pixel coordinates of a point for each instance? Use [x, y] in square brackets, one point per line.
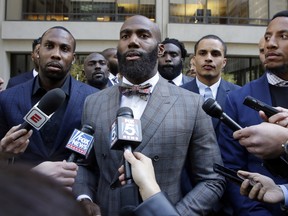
[43, 110]
[80, 143]
[277, 166]
[126, 133]
[213, 109]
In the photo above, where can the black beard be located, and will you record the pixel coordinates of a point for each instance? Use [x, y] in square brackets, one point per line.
[98, 83]
[170, 73]
[278, 71]
[141, 69]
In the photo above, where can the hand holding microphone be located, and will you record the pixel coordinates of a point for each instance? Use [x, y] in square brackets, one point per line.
[44, 109]
[16, 140]
[126, 134]
[277, 166]
[142, 172]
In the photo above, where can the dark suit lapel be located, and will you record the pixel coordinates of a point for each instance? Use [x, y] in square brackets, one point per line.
[194, 87]
[27, 105]
[158, 105]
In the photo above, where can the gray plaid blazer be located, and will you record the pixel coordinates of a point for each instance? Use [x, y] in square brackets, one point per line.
[174, 127]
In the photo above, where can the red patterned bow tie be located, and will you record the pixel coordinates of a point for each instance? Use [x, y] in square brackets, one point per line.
[142, 90]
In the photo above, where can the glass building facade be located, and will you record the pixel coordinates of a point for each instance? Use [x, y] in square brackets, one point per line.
[242, 66]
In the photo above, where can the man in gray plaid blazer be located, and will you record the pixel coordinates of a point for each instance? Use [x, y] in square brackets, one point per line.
[174, 127]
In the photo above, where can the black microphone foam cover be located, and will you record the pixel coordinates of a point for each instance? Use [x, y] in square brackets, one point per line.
[125, 112]
[212, 108]
[51, 101]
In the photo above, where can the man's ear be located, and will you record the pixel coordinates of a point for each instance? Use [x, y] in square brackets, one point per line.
[161, 50]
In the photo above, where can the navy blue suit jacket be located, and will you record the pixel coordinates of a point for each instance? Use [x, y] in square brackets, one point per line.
[237, 157]
[186, 79]
[16, 102]
[223, 89]
[19, 79]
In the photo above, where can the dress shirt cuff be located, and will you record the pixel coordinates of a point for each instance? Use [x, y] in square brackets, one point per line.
[83, 196]
[285, 192]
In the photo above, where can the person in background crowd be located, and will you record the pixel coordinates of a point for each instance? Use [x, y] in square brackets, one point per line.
[111, 55]
[96, 71]
[261, 45]
[192, 70]
[209, 61]
[170, 64]
[23, 77]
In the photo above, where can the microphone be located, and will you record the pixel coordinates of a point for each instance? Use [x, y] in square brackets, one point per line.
[213, 109]
[277, 166]
[43, 110]
[126, 133]
[80, 143]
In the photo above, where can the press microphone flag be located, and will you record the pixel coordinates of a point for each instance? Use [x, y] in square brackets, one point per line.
[43, 110]
[80, 142]
[125, 130]
[126, 133]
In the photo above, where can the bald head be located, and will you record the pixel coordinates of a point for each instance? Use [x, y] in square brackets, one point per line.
[145, 23]
[138, 49]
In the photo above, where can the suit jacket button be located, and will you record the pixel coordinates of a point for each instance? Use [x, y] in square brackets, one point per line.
[156, 158]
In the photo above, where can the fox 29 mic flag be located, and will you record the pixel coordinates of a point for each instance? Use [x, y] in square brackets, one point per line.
[80, 142]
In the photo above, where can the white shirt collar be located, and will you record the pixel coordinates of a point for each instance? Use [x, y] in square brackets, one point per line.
[202, 86]
[35, 73]
[178, 81]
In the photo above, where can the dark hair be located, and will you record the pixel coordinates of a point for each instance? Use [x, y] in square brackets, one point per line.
[36, 42]
[281, 14]
[211, 37]
[178, 44]
[29, 193]
[63, 28]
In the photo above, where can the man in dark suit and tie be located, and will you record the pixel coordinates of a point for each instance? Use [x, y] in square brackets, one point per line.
[170, 64]
[23, 77]
[174, 127]
[45, 150]
[209, 60]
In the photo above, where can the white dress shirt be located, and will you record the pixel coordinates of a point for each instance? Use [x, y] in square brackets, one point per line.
[137, 104]
[202, 86]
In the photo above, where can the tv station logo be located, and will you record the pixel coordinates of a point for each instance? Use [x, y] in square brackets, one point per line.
[130, 129]
[125, 129]
[36, 118]
[80, 142]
